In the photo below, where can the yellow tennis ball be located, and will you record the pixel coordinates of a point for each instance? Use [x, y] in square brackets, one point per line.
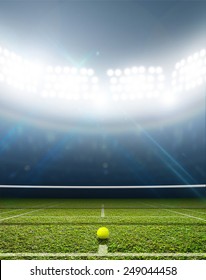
[103, 233]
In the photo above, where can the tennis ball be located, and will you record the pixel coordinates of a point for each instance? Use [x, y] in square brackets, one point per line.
[103, 233]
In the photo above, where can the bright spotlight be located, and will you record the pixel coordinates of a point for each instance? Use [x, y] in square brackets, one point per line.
[202, 52]
[142, 69]
[49, 69]
[134, 70]
[1, 77]
[189, 73]
[74, 71]
[100, 102]
[6, 52]
[66, 70]
[113, 80]
[83, 71]
[118, 72]
[110, 72]
[115, 97]
[159, 70]
[151, 70]
[58, 70]
[95, 80]
[169, 99]
[90, 72]
[127, 71]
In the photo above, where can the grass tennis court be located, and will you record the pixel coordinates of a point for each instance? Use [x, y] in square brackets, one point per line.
[139, 229]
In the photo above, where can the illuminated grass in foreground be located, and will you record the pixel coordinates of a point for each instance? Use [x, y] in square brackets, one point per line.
[139, 229]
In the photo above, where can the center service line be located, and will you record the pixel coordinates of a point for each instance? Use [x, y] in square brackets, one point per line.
[103, 249]
[102, 211]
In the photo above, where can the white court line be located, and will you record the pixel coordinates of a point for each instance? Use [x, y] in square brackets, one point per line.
[195, 211]
[19, 209]
[103, 254]
[11, 217]
[11, 211]
[180, 213]
[102, 211]
[45, 216]
[189, 216]
[103, 249]
[147, 216]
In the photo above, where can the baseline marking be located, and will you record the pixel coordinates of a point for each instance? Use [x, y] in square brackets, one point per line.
[111, 217]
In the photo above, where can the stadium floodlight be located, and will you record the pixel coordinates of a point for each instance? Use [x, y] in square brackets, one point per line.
[137, 80]
[189, 73]
[1, 77]
[159, 70]
[115, 97]
[95, 88]
[66, 70]
[169, 99]
[18, 73]
[49, 69]
[58, 70]
[95, 80]
[90, 72]
[83, 71]
[118, 72]
[123, 80]
[151, 70]
[6, 53]
[136, 88]
[74, 70]
[142, 69]
[134, 70]
[110, 72]
[202, 53]
[127, 72]
[2, 60]
[113, 80]
[70, 83]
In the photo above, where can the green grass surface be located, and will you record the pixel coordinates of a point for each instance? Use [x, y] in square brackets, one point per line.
[136, 226]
